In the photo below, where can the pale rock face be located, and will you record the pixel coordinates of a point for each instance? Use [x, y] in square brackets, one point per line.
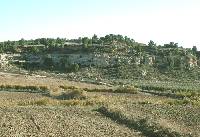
[137, 60]
[82, 59]
[3, 57]
[89, 59]
[99, 60]
[192, 62]
[3, 60]
[34, 59]
[144, 72]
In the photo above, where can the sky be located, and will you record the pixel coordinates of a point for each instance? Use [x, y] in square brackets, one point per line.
[162, 21]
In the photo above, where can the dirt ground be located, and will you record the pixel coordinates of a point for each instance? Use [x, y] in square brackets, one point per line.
[52, 82]
[49, 121]
[19, 117]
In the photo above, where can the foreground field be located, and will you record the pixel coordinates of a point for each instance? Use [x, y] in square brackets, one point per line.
[58, 121]
[94, 110]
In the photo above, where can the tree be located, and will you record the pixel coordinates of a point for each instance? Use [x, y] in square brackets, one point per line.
[95, 39]
[101, 40]
[128, 41]
[171, 45]
[120, 38]
[75, 67]
[108, 39]
[194, 49]
[51, 42]
[85, 42]
[36, 42]
[138, 48]
[22, 42]
[90, 42]
[34, 50]
[60, 41]
[151, 43]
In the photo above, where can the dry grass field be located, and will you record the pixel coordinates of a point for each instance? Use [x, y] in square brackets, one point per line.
[80, 109]
[58, 121]
[36, 80]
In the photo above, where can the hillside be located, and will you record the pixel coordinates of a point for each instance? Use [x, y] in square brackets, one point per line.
[112, 57]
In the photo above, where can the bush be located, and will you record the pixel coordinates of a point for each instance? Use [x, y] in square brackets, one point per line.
[127, 89]
[99, 90]
[68, 87]
[75, 94]
[19, 88]
[38, 102]
[179, 102]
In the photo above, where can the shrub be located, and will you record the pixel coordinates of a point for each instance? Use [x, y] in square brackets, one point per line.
[179, 102]
[19, 88]
[75, 94]
[99, 90]
[127, 89]
[68, 87]
[42, 102]
[39, 102]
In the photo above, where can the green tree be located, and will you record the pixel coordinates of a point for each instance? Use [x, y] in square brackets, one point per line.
[95, 39]
[60, 41]
[120, 38]
[34, 50]
[90, 42]
[85, 42]
[101, 41]
[128, 41]
[151, 43]
[108, 39]
[75, 67]
[194, 49]
[22, 42]
[138, 48]
[171, 45]
[36, 42]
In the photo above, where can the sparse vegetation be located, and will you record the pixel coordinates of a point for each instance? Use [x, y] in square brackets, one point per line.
[131, 90]
[142, 113]
[74, 94]
[19, 88]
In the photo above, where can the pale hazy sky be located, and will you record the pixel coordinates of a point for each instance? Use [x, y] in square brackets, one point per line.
[159, 20]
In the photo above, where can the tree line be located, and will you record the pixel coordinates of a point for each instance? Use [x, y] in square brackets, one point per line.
[44, 44]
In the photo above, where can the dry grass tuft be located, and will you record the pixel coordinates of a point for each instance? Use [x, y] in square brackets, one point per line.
[39, 102]
[126, 89]
[19, 88]
[78, 94]
[54, 102]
